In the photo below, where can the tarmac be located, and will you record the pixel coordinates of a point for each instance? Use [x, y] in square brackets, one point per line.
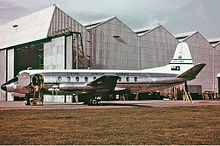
[15, 105]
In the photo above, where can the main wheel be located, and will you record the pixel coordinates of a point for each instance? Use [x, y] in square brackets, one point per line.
[93, 102]
[27, 102]
[27, 99]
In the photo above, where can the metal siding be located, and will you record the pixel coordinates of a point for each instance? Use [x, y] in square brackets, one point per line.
[47, 55]
[54, 53]
[10, 70]
[2, 73]
[54, 58]
[110, 53]
[69, 53]
[61, 22]
[157, 48]
[216, 65]
[202, 52]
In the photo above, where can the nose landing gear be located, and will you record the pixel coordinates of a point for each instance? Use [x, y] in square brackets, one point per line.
[31, 99]
[36, 96]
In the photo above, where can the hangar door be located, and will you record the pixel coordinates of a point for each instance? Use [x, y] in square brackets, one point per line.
[28, 56]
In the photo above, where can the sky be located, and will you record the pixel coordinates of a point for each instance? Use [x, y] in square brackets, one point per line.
[176, 15]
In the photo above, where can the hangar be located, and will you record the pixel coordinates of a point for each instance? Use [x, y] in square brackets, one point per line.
[159, 42]
[201, 51]
[216, 45]
[51, 39]
[47, 39]
[113, 43]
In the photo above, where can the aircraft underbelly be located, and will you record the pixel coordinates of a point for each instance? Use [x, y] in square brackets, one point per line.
[147, 87]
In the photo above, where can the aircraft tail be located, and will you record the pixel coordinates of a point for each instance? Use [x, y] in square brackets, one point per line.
[192, 72]
[182, 55]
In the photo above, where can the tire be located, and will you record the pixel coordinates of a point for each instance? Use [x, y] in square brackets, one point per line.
[27, 99]
[93, 102]
[27, 103]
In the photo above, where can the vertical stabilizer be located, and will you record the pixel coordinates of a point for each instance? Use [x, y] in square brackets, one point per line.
[182, 54]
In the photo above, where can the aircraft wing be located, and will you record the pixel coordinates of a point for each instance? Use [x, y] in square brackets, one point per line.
[192, 72]
[106, 82]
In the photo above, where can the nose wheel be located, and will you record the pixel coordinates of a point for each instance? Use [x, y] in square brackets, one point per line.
[31, 99]
[27, 99]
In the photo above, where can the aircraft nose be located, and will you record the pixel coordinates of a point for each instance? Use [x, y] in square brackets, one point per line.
[3, 87]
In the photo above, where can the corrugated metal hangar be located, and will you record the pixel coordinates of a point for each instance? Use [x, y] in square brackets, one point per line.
[51, 39]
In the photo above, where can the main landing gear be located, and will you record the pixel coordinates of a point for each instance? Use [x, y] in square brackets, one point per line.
[93, 101]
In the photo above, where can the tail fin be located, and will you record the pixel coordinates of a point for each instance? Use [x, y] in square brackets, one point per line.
[182, 55]
[192, 72]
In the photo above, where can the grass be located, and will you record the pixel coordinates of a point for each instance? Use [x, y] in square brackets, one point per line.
[183, 125]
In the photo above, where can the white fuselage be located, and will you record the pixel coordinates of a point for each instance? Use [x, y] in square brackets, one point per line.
[148, 80]
[135, 81]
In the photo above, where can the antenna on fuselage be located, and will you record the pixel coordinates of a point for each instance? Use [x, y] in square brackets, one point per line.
[30, 68]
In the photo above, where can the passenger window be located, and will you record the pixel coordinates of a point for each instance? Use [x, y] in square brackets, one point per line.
[68, 79]
[86, 79]
[119, 79]
[127, 79]
[135, 79]
[77, 79]
[59, 79]
[94, 78]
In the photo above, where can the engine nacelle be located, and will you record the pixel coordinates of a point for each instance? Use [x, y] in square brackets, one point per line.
[24, 79]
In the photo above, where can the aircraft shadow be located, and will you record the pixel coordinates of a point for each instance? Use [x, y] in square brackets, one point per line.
[124, 104]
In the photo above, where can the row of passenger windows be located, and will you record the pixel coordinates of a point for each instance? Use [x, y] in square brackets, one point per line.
[86, 79]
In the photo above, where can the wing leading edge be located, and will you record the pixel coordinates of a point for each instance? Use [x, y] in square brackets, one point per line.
[107, 82]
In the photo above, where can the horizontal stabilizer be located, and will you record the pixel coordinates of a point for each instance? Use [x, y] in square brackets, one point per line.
[192, 72]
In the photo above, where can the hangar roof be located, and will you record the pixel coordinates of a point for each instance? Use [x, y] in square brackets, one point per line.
[26, 29]
[218, 44]
[214, 41]
[98, 22]
[183, 36]
[144, 30]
